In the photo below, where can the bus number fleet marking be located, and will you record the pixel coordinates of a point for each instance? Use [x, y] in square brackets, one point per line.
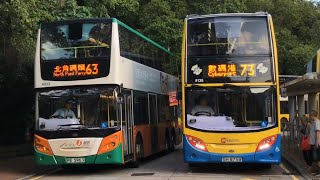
[75, 70]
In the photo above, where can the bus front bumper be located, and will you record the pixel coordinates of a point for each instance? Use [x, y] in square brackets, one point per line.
[112, 157]
[269, 156]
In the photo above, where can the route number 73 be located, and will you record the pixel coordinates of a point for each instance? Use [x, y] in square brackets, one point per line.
[249, 69]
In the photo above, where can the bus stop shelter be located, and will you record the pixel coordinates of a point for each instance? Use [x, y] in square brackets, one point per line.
[308, 84]
[295, 90]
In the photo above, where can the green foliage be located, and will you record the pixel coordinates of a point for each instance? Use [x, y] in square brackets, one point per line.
[297, 25]
[162, 23]
[215, 7]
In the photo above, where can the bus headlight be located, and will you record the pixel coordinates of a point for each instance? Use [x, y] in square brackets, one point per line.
[197, 143]
[42, 145]
[266, 143]
[110, 142]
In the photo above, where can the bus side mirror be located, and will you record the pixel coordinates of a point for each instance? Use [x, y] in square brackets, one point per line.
[120, 98]
[179, 95]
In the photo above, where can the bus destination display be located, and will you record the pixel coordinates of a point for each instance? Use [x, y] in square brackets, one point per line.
[231, 70]
[75, 70]
[66, 70]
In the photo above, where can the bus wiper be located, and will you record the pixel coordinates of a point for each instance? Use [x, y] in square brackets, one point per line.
[92, 130]
[65, 125]
[83, 127]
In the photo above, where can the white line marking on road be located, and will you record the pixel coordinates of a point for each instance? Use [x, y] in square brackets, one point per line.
[41, 173]
[45, 174]
[287, 171]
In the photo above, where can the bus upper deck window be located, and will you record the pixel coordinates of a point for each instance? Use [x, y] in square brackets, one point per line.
[75, 31]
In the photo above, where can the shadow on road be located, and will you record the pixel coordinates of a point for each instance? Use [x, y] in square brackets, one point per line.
[16, 167]
[94, 169]
[235, 168]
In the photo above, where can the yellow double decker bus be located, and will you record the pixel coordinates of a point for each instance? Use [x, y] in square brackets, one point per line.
[230, 89]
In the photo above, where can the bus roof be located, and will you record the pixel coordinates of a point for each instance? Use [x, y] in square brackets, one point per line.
[196, 16]
[104, 20]
[141, 35]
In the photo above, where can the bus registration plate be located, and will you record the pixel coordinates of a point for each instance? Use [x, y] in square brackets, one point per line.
[75, 160]
[231, 159]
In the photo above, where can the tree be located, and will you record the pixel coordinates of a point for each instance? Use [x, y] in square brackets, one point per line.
[297, 25]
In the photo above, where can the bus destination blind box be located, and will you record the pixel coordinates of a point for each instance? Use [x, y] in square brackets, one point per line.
[229, 70]
[63, 70]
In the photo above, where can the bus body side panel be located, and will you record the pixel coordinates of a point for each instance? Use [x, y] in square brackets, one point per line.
[112, 157]
[276, 68]
[44, 159]
[145, 133]
[162, 128]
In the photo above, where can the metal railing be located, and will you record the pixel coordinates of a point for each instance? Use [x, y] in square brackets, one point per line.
[291, 138]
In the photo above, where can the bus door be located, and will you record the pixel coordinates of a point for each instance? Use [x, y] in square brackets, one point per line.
[127, 122]
[153, 121]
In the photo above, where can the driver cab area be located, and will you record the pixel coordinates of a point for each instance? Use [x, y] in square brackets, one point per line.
[230, 108]
[65, 109]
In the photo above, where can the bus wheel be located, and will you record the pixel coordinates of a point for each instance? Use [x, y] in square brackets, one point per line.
[139, 153]
[265, 166]
[172, 142]
[193, 165]
[66, 167]
[168, 143]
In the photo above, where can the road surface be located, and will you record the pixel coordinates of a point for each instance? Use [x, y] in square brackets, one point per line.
[161, 166]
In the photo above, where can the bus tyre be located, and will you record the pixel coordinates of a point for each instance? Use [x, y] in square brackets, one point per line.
[172, 142]
[168, 144]
[266, 166]
[192, 165]
[139, 153]
[68, 167]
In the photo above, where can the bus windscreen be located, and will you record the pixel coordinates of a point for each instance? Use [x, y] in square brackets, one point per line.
[75, 50]
[232, 108]
[75, 40]
[63, 109]
[228, 36]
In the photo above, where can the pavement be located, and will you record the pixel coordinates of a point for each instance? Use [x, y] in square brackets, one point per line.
[298, 165]
[16, 150]
[17, 161]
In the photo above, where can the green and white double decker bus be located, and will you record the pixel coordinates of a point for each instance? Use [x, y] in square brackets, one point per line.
[103, 94]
